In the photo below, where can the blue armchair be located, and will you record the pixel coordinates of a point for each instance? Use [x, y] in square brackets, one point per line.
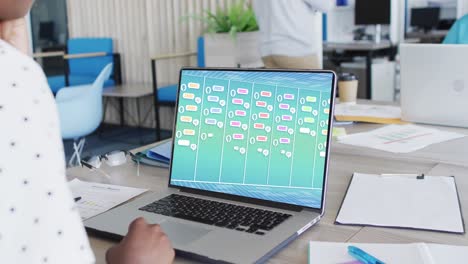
[80, 111]
[458, 34]
[81, 70]
[167, 95]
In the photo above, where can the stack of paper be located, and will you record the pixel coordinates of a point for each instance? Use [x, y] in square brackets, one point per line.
[380, 114]
[399, 138]
[417, 253]
[96, 198]
[402, 201]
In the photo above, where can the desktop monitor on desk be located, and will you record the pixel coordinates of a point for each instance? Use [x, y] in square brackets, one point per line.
[372, 12]
[425, 18]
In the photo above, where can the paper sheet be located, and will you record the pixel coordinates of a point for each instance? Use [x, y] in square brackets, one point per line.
[402, 201]
[368, 113]
[417, 253]
[97, 198]
[399, 138]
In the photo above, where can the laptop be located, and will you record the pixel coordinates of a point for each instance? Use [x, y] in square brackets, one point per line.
[434, 84]
[249, 164]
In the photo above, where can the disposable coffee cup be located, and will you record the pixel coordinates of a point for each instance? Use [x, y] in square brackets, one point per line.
[347, 88]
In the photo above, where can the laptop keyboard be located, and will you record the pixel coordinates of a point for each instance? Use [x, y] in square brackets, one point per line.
[236, 217]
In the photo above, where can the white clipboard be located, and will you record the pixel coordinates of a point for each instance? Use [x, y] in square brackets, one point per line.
[402, 201]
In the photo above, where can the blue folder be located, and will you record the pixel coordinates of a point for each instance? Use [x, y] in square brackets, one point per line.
[161, 152]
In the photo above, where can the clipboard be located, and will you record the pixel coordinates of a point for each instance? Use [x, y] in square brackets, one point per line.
[417, 201]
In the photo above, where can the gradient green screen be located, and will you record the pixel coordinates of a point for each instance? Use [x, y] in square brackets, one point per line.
[258, 134]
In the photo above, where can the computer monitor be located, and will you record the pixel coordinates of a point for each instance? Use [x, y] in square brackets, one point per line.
[425, 18]
[46, 30]
[372, 12]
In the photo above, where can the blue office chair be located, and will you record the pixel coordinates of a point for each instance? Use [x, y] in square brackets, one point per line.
[80, 111]
[79, 71]
[458, 34]
[167, 95]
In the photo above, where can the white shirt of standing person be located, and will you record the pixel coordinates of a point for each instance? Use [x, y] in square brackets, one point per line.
[290, 27]
[39, 222]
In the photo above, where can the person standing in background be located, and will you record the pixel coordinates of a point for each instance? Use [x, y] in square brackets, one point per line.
[287, 32]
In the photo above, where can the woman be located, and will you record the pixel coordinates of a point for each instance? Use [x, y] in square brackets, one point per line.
[38, 220]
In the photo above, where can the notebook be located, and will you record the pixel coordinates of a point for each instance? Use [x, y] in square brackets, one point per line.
[158, 156]
[402, 201]
[416, 253]
[380, 114]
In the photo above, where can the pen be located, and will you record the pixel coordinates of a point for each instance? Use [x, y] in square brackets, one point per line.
[77, 199]
[363, 256]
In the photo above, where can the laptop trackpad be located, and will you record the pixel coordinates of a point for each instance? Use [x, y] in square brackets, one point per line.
[182, 234]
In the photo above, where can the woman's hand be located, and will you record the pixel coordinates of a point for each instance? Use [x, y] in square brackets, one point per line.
[144, 244]
[15, 32]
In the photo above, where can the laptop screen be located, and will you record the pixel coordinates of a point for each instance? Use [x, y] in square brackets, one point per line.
[254, 133]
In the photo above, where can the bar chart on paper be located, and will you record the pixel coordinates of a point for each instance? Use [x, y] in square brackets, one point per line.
[399, 138]
[97, 198]
[253, 133]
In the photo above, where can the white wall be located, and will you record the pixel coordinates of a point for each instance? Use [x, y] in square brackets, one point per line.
[462, 8]
[142, 29]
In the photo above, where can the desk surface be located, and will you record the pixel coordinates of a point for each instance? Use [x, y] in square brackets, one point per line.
[356, 46]
[129, 90]
[426, 35]
[445, 158]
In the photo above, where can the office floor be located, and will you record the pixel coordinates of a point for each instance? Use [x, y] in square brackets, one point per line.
[114, 137]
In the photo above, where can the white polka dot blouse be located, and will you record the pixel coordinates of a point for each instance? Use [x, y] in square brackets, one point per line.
[38, 220]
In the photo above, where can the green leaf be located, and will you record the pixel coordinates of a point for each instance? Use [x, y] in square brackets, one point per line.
[240, 17]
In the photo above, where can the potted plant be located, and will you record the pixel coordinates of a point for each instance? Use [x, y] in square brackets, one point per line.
[231, 36]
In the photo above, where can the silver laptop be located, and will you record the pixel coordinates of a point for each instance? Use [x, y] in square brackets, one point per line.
[249, 164]
[434, 84]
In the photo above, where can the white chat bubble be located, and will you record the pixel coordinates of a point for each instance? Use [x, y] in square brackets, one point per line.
[242, 151]
[183, 142]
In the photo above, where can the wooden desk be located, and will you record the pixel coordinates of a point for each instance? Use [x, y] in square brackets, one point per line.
[434, 36]
[356, 46]
[343, 162]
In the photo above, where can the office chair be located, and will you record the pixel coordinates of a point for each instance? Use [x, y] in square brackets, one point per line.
[167, 95]
[80, 70]
[81, 111]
